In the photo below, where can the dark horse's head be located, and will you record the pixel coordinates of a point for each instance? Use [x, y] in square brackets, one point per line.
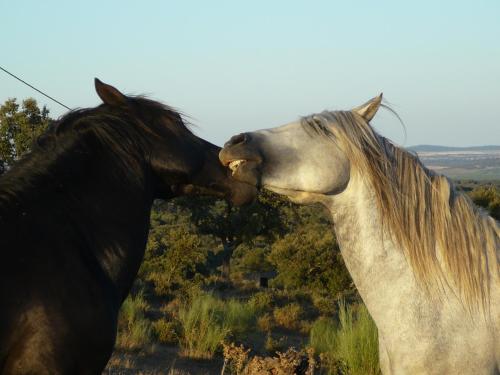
[178, 161]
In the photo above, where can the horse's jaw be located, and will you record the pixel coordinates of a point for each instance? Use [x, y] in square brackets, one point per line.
[298, 196]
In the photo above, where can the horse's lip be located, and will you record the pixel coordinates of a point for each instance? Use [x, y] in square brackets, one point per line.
[256, 160]
[226, 163]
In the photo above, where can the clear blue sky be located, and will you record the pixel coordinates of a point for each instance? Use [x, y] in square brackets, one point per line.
[236, 66]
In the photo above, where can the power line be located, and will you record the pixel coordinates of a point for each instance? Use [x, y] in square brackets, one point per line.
[34, 88]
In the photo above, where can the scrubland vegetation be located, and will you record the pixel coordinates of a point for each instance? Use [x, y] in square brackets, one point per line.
[205, 292]
[201, 292]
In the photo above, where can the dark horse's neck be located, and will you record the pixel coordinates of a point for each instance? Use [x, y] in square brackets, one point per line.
[86, 201]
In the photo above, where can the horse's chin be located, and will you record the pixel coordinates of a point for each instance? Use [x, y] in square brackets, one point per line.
[239, 194]
[242, 194]
[245, 175]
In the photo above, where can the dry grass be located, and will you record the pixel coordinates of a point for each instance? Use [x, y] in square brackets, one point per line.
[265, 322]
[262, 301]
[288, 316]
[166, 331]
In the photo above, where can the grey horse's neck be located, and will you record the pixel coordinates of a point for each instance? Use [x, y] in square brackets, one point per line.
[379, 270]
[417, 333]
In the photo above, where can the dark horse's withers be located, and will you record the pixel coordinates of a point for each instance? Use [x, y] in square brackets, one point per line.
[74, 218]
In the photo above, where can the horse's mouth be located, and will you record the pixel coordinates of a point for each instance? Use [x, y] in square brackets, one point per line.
[244, 170]
[235, 164]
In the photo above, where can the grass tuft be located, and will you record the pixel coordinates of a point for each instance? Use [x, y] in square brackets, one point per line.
[166, 331]
[354, 344]
[134, 329]
[207, 321]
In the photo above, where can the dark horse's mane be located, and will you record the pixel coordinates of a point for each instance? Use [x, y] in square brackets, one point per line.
[121, 133]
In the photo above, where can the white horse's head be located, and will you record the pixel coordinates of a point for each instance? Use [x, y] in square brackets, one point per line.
[294, 159]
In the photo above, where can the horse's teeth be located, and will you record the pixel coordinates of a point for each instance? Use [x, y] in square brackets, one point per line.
[234, 165]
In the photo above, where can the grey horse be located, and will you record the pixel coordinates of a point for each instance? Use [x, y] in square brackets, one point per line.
[424, 259]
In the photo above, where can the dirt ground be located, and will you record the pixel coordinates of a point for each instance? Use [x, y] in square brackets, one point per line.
[163, 359]
[160, 360]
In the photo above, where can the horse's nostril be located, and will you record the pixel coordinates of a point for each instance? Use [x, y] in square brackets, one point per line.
[237, 139]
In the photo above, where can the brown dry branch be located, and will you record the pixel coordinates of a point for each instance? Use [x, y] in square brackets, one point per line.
[291, 362]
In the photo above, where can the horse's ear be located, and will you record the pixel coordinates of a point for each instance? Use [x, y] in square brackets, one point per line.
[369, 109]
[109, 94]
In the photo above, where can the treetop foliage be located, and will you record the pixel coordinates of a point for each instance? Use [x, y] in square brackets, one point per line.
[20, 126]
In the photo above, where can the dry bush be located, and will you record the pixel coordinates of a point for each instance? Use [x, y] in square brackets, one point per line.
[262, 301]
[325, 304]
[288, 316]
[265, 322]
[237, 360]
[305, 327]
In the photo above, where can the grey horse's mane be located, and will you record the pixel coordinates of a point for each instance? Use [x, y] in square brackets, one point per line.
[444, 236]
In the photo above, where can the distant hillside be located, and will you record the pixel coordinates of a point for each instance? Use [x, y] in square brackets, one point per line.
[476, 163]
[435, 148]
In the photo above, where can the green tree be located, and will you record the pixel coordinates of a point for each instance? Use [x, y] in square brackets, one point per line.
[173, 259]
[234, 226]
[175, 254]
[19, 128]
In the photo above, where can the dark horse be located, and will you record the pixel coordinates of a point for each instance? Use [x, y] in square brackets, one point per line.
[74, 220]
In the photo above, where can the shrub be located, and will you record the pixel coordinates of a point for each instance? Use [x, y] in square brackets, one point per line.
[288, 316]
[239, 362]
[261, 301]
[265, 322]
[310, 258]
[134, 329]
[305, 327]
[235, 358]
[172, 257]
[324, 304]
[487, 197]
[252, 257]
